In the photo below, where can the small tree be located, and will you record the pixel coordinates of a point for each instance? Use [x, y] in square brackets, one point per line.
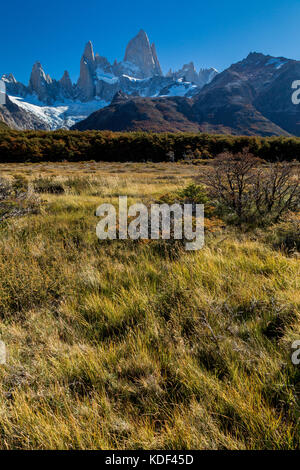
[230, 179]
[253, 193]
[276, 190]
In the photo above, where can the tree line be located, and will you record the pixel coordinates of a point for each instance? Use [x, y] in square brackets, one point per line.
[65, 145]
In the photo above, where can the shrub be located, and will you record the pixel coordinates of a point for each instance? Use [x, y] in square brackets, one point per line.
[286, 235]
[48, 185]
[247, 192]
[193, 194]
[190, 194]
[276, 190]
[77, 185]
[16, 202]
[20, 183]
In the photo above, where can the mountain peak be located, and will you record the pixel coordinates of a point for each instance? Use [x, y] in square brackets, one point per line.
[142, 32]
[89, 52]
[37, 66]
[38, 73]
[85, 82]
[66, 74]
[120, 96]
[66, 84]
[8, 78]
[142, 56]
[39, 82]
[136, 46]
[255, 54]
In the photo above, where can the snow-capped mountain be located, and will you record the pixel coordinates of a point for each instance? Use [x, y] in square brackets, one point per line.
[251, 97]
[54, 104]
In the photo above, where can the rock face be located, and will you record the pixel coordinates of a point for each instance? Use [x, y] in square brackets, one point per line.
[86, 81]
[14, 87]
[66, 85]
[206, 76]
[188, 73]
[138, 74]
[39, 82]
[141, 57]
[17, 118]
[158, 70]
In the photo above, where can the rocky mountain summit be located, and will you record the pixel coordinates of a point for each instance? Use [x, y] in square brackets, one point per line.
[188, 73]
[141, 57]
[61, 103]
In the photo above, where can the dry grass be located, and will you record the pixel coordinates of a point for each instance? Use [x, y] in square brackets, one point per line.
[120, 346]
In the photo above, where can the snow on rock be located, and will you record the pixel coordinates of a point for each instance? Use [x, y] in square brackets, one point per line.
[179, 88]
[106, 77]
[59, 115]
[278, 63]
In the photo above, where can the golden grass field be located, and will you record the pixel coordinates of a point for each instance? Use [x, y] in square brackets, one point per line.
[125, 345]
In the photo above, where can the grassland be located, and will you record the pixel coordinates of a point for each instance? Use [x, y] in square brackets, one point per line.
[130, 345]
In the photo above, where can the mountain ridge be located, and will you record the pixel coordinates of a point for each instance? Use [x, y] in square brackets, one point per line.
[251, 97]
[138, 74]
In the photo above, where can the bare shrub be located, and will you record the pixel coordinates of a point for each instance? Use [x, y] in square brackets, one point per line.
[252, 192]
[276, 189]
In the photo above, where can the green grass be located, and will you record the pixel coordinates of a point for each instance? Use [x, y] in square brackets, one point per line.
[118, 345]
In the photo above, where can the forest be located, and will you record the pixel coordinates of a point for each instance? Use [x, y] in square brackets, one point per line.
[76, 146]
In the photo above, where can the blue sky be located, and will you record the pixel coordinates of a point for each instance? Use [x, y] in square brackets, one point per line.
[210, 33]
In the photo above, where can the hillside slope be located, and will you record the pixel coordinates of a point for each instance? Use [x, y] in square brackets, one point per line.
[147, 114]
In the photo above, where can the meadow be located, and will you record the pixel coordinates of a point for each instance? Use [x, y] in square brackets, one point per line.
[142, 345]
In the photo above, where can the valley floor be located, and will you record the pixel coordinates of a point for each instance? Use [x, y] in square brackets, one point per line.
[130, 345]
